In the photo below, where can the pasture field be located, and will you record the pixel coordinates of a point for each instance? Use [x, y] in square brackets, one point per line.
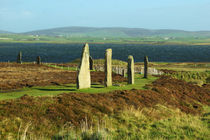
[42, 102]
[21, 38]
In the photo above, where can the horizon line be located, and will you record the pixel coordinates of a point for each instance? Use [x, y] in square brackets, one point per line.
[105, 27]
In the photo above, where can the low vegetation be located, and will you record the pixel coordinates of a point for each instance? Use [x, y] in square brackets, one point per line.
[198, 78]
[197, 73]
[128, 36]
[164, 107]
[69, 88]
[161, 123]
[54, 79]
[188, 67]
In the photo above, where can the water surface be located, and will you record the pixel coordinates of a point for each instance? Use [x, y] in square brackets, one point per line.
[62, 53]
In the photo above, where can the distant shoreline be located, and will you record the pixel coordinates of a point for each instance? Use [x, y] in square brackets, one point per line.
[140, 43]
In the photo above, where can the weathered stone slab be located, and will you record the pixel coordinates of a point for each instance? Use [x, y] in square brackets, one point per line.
[119, 70]
[83, 77]
[108, 68]
[145, 67]
[130, 69]
[124, 72]
[19, 58]
[151, 71]
[91, 63]
[101, 68]
[114, 69]
[38, 60]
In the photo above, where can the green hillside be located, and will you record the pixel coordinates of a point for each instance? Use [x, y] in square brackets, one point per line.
[5, 32]
[108, 35]
[116, 32]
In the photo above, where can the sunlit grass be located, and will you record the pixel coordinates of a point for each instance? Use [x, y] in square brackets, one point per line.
[162, 123]
[62, 67]
[157, 123]
[140, 82]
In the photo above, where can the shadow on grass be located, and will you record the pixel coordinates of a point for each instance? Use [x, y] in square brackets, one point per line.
[96, 84]
[69, 86]
[96, 87]
[56, 89]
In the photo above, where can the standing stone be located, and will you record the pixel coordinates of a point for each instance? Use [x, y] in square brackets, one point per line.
[38, 60]
[97, 68]
[83, 77]
[108, 68]
[124, 72]
[91, 63]
[145, 66]
[130, 69]
[118, 71]
[101, 68]
[114, 69]
[19, 58]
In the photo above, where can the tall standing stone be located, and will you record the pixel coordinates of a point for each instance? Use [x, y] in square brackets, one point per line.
[38, 60]
[146, 66]
[124, 72]
[83, 77]
[19, 58]
[108, 68]
[119, 70]
[91, 63]
[130, 69]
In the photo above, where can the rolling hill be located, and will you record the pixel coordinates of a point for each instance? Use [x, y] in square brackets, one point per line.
[5, 32]
[116, 32]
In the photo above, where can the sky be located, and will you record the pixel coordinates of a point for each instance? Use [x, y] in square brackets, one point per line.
[29, 15]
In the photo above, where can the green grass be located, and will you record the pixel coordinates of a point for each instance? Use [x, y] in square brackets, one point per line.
[162, 123]
[191, 66]
[63, 68]
[95, 88]
[20, 38]
[184, 69]
[157, 123]
[199, 78]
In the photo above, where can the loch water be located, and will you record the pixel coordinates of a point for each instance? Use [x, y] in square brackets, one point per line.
[63, 53]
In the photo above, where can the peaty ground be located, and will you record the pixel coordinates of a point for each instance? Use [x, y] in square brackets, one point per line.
[48, 115]
[16, 76]
[128, 114]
